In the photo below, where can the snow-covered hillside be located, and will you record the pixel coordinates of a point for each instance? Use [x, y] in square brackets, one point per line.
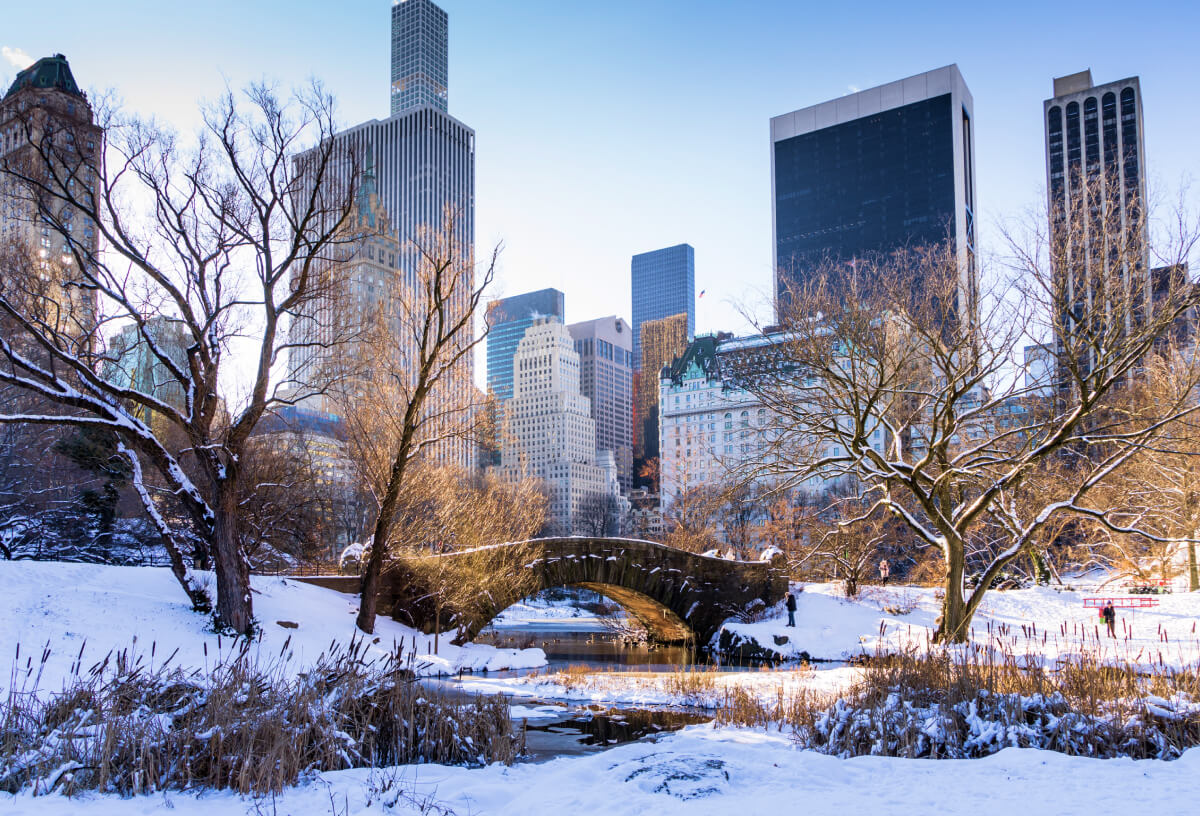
[1039, 622]
[81, 612]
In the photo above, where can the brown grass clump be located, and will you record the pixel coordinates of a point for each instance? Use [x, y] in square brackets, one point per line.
[974, 701]
[124, 728]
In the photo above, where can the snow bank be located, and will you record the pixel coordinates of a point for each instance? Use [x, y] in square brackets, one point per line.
[702, 770]
[1039, 622]
[81, 612]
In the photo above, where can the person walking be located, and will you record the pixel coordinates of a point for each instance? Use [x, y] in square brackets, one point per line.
[791, 608]
[1110, 618]
[884, 571]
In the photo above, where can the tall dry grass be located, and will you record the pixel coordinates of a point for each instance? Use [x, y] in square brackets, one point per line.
[975, 700]
[125, 727]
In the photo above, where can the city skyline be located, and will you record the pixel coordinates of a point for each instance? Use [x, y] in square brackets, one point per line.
[640, 186]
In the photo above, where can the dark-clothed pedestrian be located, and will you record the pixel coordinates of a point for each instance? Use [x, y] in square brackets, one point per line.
[1110, 618]
[791, 608]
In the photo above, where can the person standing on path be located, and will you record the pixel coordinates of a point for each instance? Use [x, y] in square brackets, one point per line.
[1110, 618]
[884, 571]
[791, 608]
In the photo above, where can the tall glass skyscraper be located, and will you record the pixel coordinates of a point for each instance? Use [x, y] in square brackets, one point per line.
[664, 284]
[872, 172]
[420, 34]
[510, 318]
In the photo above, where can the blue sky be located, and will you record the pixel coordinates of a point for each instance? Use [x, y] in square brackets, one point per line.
[606, 129]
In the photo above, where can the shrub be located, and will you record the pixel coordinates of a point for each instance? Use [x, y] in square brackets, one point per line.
[124, 728]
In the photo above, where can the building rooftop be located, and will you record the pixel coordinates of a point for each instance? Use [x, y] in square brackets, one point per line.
[871, 101]
[1073, 83]
[51, 72]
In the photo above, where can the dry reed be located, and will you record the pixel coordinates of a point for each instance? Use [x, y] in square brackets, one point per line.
[127, 728]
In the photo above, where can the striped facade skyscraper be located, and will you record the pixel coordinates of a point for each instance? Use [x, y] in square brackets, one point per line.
[424, 178]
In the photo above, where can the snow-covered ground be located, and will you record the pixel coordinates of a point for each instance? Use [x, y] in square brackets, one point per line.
[81, 612]
[551, 609]
[703, 770]
[73, 609]
[1040, 622]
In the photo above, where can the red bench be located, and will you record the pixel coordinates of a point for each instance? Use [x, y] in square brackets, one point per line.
[1140, 602]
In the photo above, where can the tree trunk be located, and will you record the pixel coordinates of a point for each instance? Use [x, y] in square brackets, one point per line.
[369, 588]
[1193, 571]
[234, 607]
[371, 579]
[955, 618]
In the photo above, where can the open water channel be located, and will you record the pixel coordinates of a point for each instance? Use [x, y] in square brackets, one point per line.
[555, 727]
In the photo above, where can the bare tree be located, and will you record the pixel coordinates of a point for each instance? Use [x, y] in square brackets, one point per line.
[886, 375]
[442, 510]
[692, 519]
[221, 236]
[1159, 488]
[404, 409]
[599, 515]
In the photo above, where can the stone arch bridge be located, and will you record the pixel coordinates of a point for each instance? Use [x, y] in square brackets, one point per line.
[677, 595]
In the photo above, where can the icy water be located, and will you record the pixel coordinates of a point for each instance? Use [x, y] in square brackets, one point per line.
[556, 728]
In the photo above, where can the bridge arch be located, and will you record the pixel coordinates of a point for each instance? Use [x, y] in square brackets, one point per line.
[676, 594]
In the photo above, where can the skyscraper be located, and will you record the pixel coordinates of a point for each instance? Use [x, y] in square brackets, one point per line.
[48, 133]
[872, 172]
[605, 353]
[48, 140]
[664, 284]
[549, 431]
[420, 65]
[509, 318]
[424, 162]
[1096, 183]
[662, 341]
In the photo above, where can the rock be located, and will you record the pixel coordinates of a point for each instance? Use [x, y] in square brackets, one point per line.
[780, 640]
[288, 624]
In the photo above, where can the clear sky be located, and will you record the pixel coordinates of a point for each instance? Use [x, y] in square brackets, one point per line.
[607, 129]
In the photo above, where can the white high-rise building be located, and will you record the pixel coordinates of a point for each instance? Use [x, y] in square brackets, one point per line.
[549, 433]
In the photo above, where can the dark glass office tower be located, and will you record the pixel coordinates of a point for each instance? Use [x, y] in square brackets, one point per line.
[510, 318]
[871, 172]
[664, 284]
[420, 62]
[1096, 184]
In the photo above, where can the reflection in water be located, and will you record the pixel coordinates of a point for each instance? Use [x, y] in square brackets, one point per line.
[603, 650]
[594, 731]
[598, 649]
